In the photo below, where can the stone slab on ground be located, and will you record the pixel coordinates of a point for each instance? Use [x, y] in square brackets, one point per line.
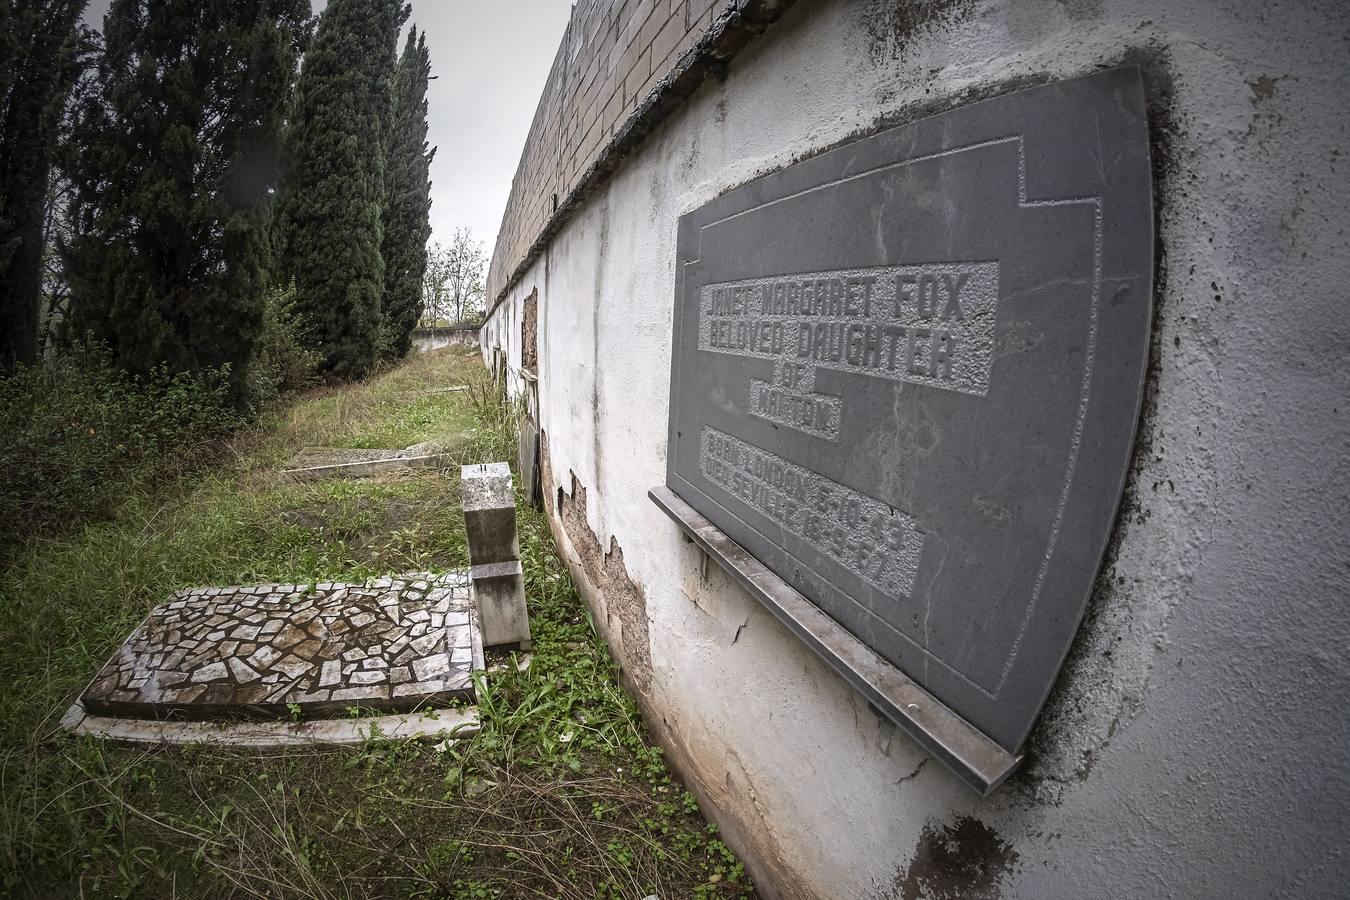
[425, 725]
[340, 462]
[310, 457]
[393, 643]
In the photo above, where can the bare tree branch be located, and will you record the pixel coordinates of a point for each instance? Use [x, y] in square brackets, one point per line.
[453, 290]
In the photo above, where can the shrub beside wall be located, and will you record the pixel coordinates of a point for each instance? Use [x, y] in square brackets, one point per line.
[77, 434]
[283, 362]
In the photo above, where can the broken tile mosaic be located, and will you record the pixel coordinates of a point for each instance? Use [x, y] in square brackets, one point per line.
[391, 643]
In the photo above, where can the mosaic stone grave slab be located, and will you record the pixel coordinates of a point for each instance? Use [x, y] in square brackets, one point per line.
[394, 644]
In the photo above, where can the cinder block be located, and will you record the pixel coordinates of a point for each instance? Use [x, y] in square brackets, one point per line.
[489, 513]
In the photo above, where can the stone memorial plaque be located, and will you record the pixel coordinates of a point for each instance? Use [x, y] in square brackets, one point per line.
[906, 376]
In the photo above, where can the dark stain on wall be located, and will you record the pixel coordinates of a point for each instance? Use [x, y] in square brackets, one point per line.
[962, 861]
[892, 25]
[1088, 670]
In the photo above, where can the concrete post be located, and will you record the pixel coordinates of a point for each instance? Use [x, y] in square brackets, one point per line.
[494, 554]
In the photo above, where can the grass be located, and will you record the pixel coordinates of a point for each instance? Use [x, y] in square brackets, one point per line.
[560, 795]
[407, 406]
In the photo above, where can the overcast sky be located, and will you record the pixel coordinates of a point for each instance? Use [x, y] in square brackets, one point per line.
[489, 59]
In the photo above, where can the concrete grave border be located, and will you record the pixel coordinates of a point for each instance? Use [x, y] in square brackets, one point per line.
[430, 724]
[365, 467]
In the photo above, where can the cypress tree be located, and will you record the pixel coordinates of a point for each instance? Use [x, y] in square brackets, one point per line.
[178, 149]
[39, 61]
[334, 186]
[407, 208]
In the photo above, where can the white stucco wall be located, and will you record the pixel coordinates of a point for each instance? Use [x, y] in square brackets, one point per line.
[1197, 744]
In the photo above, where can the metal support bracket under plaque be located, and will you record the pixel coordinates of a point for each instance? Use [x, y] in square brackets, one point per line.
[968, 752]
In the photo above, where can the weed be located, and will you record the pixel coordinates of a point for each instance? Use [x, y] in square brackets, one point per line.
[406, 406]
[494, 435]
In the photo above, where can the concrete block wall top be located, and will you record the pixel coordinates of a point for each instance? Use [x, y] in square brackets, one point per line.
[487, 486]
[489, 513]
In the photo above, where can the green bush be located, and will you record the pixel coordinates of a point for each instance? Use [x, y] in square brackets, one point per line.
[77, 434]
[283, 363]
